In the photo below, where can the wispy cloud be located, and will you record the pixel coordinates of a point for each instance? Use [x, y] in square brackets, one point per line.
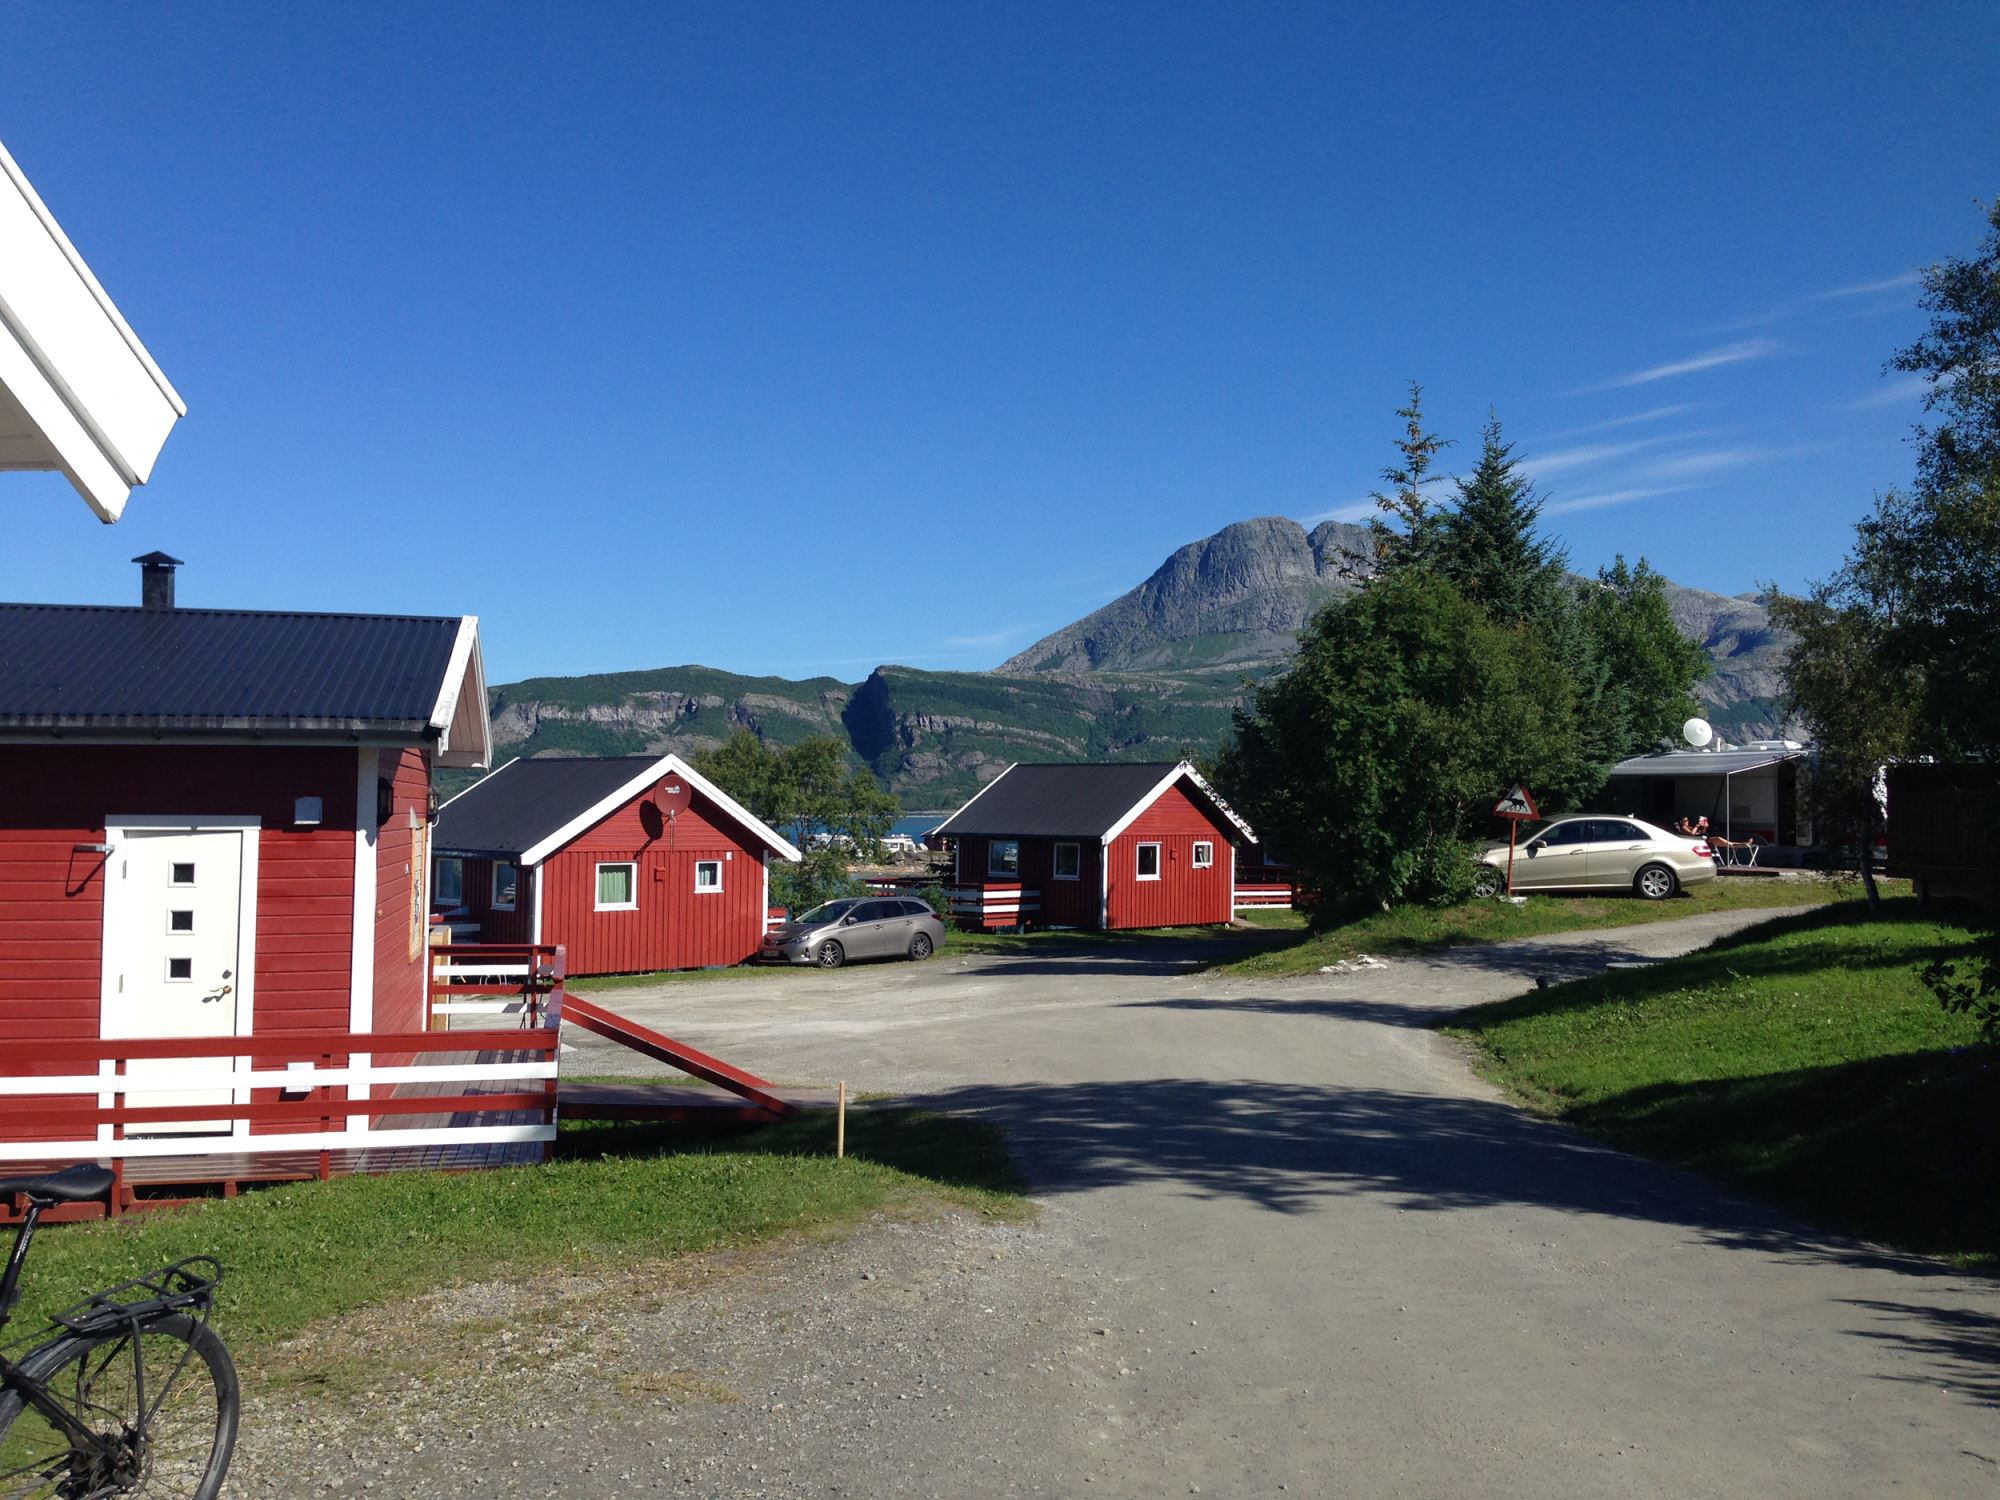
[1704, 461]
[1651, 414]
[1740, 352]
[1540, 465]
[1907, 387]
[990, 640]
[1354, 510]
[1868, 288]
[1793, 307]
[1614, 497]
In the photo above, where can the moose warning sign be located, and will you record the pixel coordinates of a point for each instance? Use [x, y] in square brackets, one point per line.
[1516, 804]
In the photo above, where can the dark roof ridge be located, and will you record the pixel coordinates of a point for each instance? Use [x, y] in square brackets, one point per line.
[288, 614]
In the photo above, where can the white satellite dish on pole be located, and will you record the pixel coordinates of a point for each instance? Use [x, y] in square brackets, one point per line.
[1697, 733]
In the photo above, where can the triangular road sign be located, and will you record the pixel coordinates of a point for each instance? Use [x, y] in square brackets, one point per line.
[1516, 804]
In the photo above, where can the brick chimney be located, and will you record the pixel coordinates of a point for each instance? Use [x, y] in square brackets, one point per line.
[156, 580]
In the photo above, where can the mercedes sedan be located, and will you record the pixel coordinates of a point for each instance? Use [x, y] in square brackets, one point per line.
[857, 927]
[1598, 854]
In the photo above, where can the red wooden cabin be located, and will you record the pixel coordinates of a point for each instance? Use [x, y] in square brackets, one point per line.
[213, 823]
[1120, 845]
[631, 863]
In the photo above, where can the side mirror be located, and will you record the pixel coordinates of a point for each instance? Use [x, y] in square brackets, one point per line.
[1534, 848]
[848, 920]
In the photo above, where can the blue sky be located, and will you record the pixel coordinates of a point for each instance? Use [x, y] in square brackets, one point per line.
[797, 339]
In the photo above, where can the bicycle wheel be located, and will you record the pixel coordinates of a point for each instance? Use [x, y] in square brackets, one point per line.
[192, 1403]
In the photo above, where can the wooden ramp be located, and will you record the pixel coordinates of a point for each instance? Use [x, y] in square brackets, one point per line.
[678, 1102]
[756, 1095]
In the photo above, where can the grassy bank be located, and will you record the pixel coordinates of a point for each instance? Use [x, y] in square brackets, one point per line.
[310, 1250]
[1415, 929]
[1800, 1059]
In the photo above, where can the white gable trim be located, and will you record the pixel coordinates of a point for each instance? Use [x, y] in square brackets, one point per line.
[465, 733]
[1185, 768]
[669, 764]
[945, 826]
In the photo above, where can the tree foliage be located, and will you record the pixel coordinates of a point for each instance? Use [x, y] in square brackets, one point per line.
[1381, 751]
[834, 812]
[1470, 659]
[1898, 655]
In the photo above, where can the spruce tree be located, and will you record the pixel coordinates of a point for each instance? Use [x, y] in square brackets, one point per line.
[1487, 543]
[1406, 501]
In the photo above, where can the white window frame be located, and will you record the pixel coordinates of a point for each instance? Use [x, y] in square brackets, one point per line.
[997, 874]
[1203, 857]
[1055, 862]
[494, 885]
[438, 897]
[1139, 862]
[707, 890]
[597, 885]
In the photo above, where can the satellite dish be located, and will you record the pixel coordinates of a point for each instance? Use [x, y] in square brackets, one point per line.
[1697, 733]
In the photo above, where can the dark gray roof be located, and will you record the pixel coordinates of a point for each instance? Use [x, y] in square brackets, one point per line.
[98, 667]
[525, 801]
[1063, 801]
[1703, 762]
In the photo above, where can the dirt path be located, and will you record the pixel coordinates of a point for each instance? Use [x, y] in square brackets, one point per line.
[1323, 1256]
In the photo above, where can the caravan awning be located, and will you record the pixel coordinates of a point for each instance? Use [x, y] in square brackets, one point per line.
[1703, 762]
[78, 391]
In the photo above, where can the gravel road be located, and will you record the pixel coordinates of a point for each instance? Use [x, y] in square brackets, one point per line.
[1290, 1243]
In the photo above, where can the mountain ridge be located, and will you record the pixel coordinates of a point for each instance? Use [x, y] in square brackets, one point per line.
[1153, 674]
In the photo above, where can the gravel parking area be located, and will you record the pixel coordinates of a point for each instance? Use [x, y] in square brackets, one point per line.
[1288, 1243]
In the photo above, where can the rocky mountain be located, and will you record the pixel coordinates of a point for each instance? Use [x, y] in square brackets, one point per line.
[1153, 675]
[1239, 598]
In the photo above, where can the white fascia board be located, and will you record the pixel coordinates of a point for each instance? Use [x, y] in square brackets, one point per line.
[664, 766]
[1185, 768]
[945, 826]
[465, 729]
[102, 405]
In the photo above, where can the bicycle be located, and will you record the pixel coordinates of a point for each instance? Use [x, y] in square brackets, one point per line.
[134, 1394]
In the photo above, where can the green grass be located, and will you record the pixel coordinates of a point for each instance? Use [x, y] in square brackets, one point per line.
[1417, 929]
[1800, 1059]
[615, 1192]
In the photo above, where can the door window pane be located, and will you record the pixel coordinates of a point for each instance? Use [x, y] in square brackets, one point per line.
[184, 873]
[180, 921]
[180, 968]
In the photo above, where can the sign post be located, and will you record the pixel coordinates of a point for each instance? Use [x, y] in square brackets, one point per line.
[1517, 807]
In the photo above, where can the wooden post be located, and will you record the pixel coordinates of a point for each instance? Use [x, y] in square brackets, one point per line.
[840, 1125]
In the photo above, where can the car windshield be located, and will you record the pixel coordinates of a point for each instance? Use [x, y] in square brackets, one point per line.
[827, 911]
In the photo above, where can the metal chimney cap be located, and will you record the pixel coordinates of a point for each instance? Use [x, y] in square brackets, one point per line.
[159, 560]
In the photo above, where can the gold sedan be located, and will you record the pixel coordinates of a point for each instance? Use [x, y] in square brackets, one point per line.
[1598, 853]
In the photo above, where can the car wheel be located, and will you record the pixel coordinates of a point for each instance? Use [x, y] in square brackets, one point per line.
[1656, 882]
[1487, 881]
[920, 946]
[831, 955]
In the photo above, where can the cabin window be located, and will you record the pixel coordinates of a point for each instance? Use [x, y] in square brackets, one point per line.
[506, 881]
[1204, 855]
[1068, 862]
[707, 875]
[1149, 861]
[1003, 857]
[450, 887]
[618, 887]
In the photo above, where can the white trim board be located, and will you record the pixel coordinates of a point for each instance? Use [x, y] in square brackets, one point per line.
[459, 714]
[1185, 768]
[666, 765]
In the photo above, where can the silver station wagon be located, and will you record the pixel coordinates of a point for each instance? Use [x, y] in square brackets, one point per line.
[856, 927]
[1596, 853]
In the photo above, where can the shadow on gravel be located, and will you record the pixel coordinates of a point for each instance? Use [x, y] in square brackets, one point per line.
[1960, 1345]
[1293, 1148]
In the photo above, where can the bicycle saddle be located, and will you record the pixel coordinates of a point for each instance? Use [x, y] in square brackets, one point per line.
[78, 1184]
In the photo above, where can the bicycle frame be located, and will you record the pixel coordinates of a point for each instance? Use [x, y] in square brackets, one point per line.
[33, 1392]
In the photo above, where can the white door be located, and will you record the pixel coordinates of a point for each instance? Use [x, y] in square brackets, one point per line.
[177, 950]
